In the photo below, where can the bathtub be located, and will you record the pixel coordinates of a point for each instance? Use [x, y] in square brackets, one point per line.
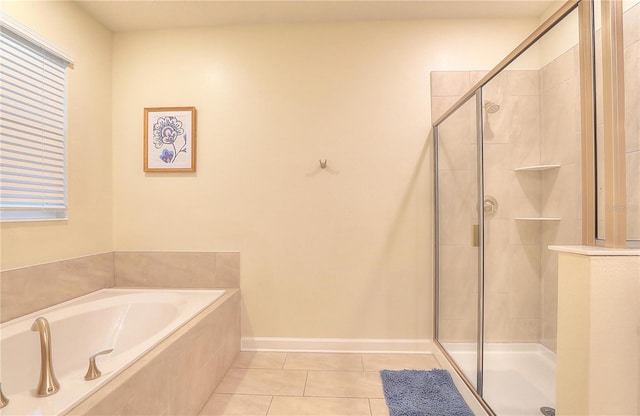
[130, 321]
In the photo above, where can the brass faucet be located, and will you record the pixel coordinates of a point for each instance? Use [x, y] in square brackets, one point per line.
[48, 384]
[3, 400]
[93, 372]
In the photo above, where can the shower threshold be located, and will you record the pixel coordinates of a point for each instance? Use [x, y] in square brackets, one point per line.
[519, 378]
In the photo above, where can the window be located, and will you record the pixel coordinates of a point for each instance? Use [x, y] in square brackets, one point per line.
[32, 126]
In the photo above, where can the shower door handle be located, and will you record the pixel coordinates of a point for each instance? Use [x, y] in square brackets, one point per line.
[475, 235]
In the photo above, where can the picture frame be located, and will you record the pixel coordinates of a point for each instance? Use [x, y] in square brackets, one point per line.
[170, 139]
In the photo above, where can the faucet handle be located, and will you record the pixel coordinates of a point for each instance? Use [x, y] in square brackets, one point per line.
[3, 400]
[92, 371]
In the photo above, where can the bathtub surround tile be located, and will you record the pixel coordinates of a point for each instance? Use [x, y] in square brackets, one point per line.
[177, 269]
[179, 375]
[32, 288]
[227, 269]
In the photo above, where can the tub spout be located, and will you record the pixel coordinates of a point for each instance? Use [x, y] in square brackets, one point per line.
[48, 384]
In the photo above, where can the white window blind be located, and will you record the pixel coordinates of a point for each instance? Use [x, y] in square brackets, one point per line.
[32, 129]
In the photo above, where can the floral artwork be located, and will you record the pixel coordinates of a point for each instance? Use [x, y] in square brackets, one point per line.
[169, 139]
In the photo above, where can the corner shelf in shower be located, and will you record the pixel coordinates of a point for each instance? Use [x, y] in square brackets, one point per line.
[537, 219]
[536, 168]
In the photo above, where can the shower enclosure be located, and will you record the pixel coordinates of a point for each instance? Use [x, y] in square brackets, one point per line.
[508, 185]
[542, 150]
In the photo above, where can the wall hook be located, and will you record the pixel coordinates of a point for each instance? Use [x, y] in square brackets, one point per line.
[323, 165]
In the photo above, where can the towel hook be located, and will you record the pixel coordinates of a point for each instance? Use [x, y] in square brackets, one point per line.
[323, 165]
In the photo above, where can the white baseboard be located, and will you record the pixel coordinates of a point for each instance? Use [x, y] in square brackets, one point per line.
[406, 346]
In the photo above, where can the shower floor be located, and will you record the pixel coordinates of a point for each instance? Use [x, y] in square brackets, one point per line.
[519, 379]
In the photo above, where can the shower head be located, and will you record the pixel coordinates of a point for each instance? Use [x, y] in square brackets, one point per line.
[491, 107]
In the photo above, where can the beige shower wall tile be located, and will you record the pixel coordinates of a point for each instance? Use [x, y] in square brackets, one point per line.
[523, 82]
[524, 330]
[559, 124]
[631, 26]
[32, 288]
[496, 89]
[558, 71]
[561, 192]
[496, 324]
[177, 269]
[498, 177]
[496, 259]
[524, 232]
[448, 83]
[496, 125]
[525, 131]
[457, 192]
[458, 282]
[633, 195]
[476, 76]
[457, 140]
[458, 330]
[524, 196]
[441, 104]
[632, 96]
[524, 282]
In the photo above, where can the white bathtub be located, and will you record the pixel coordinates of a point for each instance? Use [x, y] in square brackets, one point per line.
[131, 321]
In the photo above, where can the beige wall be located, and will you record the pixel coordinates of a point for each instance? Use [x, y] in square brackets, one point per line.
[598, 316]
[342, 252]
[89, 228]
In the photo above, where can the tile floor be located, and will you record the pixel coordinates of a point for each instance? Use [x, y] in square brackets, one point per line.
[301, 384]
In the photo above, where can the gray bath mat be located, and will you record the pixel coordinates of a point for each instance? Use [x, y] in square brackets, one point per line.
[422, 393]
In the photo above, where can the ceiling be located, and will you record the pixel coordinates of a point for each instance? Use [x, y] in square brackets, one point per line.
[126, 15]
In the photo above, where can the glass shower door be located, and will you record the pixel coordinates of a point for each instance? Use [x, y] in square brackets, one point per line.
[457, 246]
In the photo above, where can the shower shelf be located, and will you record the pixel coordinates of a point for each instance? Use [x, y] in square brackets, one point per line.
[537, 219]
[536, 168]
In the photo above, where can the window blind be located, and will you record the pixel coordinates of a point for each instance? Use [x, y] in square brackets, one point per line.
[32, 130]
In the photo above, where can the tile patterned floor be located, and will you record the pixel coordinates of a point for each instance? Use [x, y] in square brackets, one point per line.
[308, 384]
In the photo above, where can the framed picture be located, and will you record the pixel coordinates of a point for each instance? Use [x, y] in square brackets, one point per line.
[170, 139]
